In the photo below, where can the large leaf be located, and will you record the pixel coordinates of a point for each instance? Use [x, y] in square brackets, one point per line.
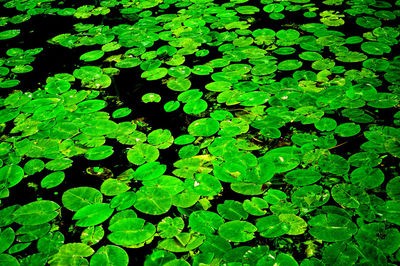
[93, 214]
[76, 198]
[130, 231]
[331, 227]
[237, 231]
[110, 255]
[37, 212]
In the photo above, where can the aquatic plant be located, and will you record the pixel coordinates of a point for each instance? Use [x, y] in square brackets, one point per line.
[194, 132]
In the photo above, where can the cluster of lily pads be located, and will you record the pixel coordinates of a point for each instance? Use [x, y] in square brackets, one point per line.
[288, 154]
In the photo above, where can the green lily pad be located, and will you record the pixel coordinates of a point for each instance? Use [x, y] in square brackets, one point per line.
[195, 107]
[92, 235]
[325, 124]
[256, 206]
[155, 74]
[347, 129]
[179, 84]
[58, 86]
[171, 106]
[302, 177]
[123, 200]
[110, 255]
[112, 187]
[9, 83]
[183, 242]
[149, 171]
[7, 237]
[161, 138]
[33, 166]
[72, 254]
[76, 198]
[170, 227]
[283, 158]
[204, 184]
[8, 34]
[203, 127]
[205, 222]
[367, 177]
[36, 212]
[289, 65]
[88, 72]
[271, 226]
[331, 227]
[375, 48]
[349, 196]
[334, 164]
[121, 112]
[142, 153]
[90, 106]
[99, 153]
[393, 188]
[232, 210]
[151, 98]
[52, 180]
[92, 214]
[340, 253]
[310, 197]
[8, 115]
[128, 63]
[92, 56]
[153, 201]
[11, 175]
[237, 231]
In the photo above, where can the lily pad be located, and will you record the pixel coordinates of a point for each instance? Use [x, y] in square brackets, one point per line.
[237, 231]
[130, 231]
[92, 214]
[36, 212]
[331, 227]
[203, 127]
[8, 34]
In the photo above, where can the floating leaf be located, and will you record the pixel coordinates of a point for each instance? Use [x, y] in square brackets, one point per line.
[92, 214]
[331, 227]
[151, 98]
[99, 153]
[11, 175]
[142, 153]
[8, 34]
[153, 201]
[393, 188]
[110, 255]
[79, 197]
[367, 177]
[130, 231]
[237, 231]
[183, 242]
[170, 227]
[121, 112]
[203, 127]
[112, 187]
[205, 222]
[7, 237]
[348, 195]
[92, 235]
[52, 180]
[90, 106]
[36, 212]
[72, 254]
[289, 65]
[271, 226]
[232, 210]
